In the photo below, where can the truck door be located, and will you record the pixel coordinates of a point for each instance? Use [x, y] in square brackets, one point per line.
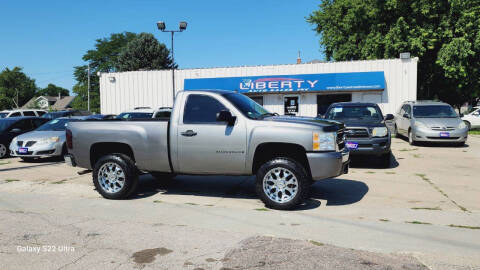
[206, 145]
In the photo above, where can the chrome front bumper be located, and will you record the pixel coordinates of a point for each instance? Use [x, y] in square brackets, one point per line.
[45, 150]
[328, 164]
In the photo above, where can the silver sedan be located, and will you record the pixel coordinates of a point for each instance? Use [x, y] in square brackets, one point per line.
[46, 141]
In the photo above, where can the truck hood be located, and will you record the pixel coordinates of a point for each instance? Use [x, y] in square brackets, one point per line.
[439, 122]
[326, 125]
[363, 123]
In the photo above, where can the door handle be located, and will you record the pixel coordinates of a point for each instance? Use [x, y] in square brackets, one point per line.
[189, 133]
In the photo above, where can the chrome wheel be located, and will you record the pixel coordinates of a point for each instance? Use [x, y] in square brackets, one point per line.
[410, 138]
[280, 185]
[3, 151]
[111, 177]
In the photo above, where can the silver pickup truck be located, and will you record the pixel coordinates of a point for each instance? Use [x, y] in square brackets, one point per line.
[212, 133]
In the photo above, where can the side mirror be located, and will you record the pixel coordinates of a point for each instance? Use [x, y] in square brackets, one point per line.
[405, 115]
[226, 116]
[389, 117]
[16, 130]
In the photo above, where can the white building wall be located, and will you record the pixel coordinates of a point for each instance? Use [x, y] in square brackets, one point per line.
[125, 90]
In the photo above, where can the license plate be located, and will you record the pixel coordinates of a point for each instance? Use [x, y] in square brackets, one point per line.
[22, 150]
[444, 134]
[351, 145]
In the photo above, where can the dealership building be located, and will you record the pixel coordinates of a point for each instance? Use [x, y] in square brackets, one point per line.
[294, 89]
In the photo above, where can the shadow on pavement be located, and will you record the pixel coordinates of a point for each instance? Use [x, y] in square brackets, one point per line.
[372, 162]
[337, 191]
[334, 191]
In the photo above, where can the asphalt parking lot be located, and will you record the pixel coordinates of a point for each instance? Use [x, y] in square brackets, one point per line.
[422, 213]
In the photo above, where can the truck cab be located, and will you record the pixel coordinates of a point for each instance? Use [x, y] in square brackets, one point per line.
[213, 133]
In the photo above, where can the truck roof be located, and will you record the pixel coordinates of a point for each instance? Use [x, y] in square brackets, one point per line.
[219, 91]
[346, 104]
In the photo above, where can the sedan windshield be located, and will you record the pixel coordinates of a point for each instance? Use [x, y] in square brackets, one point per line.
[5, 124]
[134, 115]
[247, 106]
[354, 112]
[55, 125]
[434, 111]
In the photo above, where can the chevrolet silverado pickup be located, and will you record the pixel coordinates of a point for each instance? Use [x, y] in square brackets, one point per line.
[212, 133]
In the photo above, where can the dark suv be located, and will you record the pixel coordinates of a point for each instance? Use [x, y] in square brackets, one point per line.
[365, 129]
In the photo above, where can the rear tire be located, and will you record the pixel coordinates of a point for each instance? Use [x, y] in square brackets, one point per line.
[395, 132]
[282, 183]
[115, 176]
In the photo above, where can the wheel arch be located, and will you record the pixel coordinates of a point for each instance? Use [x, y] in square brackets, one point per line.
[267, 151]
[99, 149]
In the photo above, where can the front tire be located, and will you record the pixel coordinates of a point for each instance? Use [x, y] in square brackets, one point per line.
[282, 183]
[411, 140]
[115, 176]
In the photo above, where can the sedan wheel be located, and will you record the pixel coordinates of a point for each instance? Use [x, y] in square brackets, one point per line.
[411, 141]
[3, 151]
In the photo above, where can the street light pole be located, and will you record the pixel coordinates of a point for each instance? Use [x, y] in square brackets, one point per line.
[182, 27]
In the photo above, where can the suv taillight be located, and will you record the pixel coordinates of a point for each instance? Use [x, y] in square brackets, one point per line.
[69, 137]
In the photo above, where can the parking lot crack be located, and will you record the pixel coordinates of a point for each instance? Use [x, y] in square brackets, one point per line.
[431, 183]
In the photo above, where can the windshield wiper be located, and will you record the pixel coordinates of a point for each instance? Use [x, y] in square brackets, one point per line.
[268, 114]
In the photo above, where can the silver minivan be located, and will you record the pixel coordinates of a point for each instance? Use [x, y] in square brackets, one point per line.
[430, 121]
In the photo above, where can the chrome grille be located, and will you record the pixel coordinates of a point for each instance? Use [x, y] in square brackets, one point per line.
[357, 133]
[443, 128]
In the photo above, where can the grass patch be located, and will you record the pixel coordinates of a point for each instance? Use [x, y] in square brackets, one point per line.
[426, 208]
[417, 156]
[261, 209]
[418, 222]
[406, 149]
[384, 220]
[11, 180]
[370, 172]
[464, 227]
[474, 132]
[60, 182]
[4, 162]
[191, 203]
[316, 243]
[157, 201]
[390, 172]
[209, 205]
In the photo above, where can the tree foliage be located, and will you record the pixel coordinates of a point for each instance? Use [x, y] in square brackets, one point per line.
[444, 34]
[144, 53]
[102, 59]
[52, 90]
[13, 82]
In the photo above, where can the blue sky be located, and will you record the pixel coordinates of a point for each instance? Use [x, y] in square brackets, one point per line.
[48, 38]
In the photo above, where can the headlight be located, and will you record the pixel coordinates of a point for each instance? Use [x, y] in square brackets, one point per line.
[462, 125]
[379, 132]
[48, 140]
[420, 125]
[324, 141]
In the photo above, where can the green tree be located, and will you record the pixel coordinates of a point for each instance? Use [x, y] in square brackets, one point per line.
[102, 59]
[16, 88]
[52, 90]
[144, 53]
[444, 34]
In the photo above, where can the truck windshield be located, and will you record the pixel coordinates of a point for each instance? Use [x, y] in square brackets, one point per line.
[55, 125]
[434, 111]
[247, 106]
[354, 112]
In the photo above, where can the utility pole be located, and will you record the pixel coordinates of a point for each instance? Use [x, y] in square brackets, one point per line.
[88, 88]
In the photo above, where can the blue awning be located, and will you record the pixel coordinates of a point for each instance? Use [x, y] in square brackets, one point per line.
[353, 81]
